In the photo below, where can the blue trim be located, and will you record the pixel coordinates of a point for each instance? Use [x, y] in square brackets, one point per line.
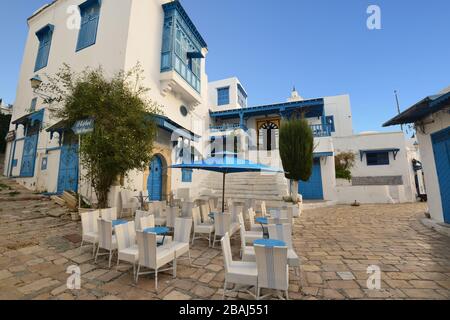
[87, 35]
[45, 36]
[323, 154]
[330, 122]
[171, 126]
[422, 109]
[394, 151]
[33, 105]
[311, 108]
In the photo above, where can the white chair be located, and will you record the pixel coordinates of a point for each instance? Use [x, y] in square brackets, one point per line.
[106, 240]
[90, 229]
[264, 209]
[153, 257]
[253, 225]
[109, 214]
[201, 228]
[235, 211]
[249, 236]
[205, 211]
[186, 209]
[137, 218]
[223, 225]
[182, 234]
[157, 209]
[149, 222]
[129, 203]
[277, 221]
[127, 249]
[273, 269]
[237, 272]
[212, 202]
[283, 232]
[171, 216]
[247, 252]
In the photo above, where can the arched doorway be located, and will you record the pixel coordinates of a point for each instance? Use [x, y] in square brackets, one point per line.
[155, 179]
[268, 132]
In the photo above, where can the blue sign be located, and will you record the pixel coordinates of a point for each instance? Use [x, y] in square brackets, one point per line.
[83, 126]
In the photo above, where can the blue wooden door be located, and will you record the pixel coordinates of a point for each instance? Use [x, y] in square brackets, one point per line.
[154, 182]
[68, 168]
[312, 189]
[29, 155]
[441, 148]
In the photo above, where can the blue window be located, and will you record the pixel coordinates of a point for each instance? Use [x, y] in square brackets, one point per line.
[45, 40]
[330, 122]
[33, 105]
[223, 96]
[377, 158]
[90, 15]
[187, 175]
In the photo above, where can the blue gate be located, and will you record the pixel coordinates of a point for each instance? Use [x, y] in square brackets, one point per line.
[68, 168]
[154, 182]
[312, 190]
[29, 155]
[441, 148]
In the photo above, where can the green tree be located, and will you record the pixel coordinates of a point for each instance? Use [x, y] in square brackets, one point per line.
[5, 119]
[296, 152]
[124, 127]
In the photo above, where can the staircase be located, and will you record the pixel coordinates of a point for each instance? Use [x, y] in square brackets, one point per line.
[241, 186]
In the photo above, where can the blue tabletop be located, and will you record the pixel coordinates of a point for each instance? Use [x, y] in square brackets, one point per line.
[116, 223]
[262, 220]
[269, 243]
[157, 230]
[211, 215]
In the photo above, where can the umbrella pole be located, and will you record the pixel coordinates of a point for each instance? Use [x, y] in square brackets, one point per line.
[223, 193]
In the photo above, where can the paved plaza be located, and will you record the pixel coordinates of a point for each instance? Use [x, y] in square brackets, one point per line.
[336, 246]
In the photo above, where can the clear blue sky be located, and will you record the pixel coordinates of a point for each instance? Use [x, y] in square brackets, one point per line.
[321, 46]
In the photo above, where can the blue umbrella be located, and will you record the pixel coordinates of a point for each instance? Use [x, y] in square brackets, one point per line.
[226, 163]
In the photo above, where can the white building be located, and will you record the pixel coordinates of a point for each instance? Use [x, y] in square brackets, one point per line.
[383, 172]
[431, 118]
[5, 109]
[160, 36]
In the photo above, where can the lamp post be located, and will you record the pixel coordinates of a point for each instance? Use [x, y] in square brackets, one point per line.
[36, 82]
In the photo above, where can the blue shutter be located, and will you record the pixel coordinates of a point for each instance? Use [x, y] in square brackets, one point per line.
[377, 158]
[90, 15]
[45, 39]
[223, 96]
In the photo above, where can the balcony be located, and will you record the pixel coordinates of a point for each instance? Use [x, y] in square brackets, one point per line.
[320, 131]
[228, 127]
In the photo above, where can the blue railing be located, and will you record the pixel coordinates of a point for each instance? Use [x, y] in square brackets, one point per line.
[321, 130]
[227, 127]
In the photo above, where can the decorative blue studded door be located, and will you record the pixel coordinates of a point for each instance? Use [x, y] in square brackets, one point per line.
[154, 182]
[441, 148]
[29, 151]
[312, 189]
[68, 168]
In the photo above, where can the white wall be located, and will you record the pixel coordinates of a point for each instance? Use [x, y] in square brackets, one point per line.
[437, 122]
[340, 108]
[232, 83]
[400, 167]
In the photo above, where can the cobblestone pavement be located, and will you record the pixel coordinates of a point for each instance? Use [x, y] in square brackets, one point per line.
[336, 246]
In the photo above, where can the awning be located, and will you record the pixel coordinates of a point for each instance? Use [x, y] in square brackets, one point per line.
[59, 127]
[394, 151]
[195, 55]
[31, 118]
[422, 109]
[171, 126]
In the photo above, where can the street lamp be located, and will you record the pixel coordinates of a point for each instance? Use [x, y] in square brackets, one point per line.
[36, 82]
